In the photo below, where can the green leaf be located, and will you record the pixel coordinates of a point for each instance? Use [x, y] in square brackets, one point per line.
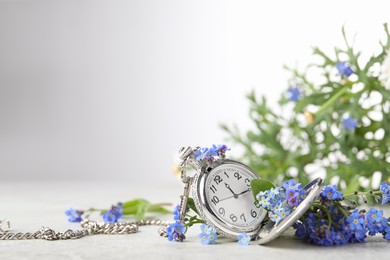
[191, 205]
[142, 208]
[258, 185]
[130, 210]
[134, 203]
[156, 208]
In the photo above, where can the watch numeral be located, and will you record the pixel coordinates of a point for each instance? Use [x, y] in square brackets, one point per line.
[233, 218]
[226, 174]
[215, 200]
[237, 175]
[221, 211]
[248, 182]
[253, 213]
[213, 189]
[243, 217]
[218, 179]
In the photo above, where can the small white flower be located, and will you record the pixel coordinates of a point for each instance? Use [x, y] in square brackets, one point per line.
[385, 71]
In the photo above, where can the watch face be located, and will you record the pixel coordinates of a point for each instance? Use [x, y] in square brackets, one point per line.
[228, 195]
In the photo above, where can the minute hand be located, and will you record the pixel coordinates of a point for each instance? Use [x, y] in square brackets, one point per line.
[243, 192]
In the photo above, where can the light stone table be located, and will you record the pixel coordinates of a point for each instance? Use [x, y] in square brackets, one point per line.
[32, 205]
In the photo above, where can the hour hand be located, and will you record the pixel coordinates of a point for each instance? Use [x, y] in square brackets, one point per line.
[228, 186]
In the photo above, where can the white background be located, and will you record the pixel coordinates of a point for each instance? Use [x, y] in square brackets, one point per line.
[110, 90]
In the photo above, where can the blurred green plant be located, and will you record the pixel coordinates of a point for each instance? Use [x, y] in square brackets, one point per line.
[339, 125]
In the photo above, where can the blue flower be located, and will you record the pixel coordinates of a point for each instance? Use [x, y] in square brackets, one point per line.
[290, 184]
[359, 236]
[201, 154]
[176, 213]
[385, 189]
[385, 198]
[274, 217]
[331, 193]
[113, 215]
[374, 216]
[208, 235]
[374, 221]
[244, 239]
[356, 221]
[329, 238]
[211, 153]
[207, 229]
[349, 123]
[221, 147]
[175, 231]
[170, 232]
[386, 229]
[292, 197]
[264, 202]
[294, 93]
[311, 220]
[342, 238]
[179, 227]
[283, 212]
[344, 69]
[300, 230]
[213, 238]
[74, 215]
[204, 238]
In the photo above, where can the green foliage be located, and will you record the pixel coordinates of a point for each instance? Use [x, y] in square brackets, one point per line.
[309, 132]
[139, 207]
[258, 185]
[191, 205]
[190, 220]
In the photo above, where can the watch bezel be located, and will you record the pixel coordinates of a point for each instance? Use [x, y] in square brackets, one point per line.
[208, 215]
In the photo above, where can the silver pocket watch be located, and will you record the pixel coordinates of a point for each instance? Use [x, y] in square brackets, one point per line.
[223, 198]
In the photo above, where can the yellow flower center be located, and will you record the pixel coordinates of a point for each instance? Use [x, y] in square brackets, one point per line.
[373, 215]
[356, 221]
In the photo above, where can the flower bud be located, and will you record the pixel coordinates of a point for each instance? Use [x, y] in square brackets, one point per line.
[309, 117]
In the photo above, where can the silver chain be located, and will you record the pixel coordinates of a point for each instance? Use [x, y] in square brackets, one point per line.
[93, 228]
[90, 228]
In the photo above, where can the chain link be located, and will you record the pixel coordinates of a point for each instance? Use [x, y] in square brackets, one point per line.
[90, 228]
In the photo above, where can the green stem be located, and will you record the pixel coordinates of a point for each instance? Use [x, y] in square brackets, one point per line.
[321, 207]
[94, 210]
[331, 100]
[340, 207]
[363, 193]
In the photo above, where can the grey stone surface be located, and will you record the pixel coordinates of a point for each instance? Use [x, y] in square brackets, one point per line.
[32, 205]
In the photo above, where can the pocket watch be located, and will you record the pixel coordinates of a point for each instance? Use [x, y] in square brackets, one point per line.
[221, 191]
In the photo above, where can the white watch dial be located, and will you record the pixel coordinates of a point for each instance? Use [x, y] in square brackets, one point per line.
[228, 193]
